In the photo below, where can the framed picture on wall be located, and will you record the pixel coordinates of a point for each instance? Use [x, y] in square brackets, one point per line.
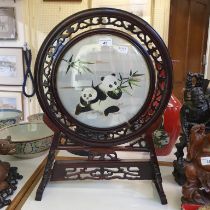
[11, 100]
[11, 66]
[7, 23]
[141, 8]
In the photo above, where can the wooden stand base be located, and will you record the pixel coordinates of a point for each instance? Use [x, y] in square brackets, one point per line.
[102, 163]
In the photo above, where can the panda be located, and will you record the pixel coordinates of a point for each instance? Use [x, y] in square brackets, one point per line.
[88, 96]
[108, 93]
[101, 98]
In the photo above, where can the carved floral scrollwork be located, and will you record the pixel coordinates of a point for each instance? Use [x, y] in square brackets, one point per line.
[131, 173]
[94, 155]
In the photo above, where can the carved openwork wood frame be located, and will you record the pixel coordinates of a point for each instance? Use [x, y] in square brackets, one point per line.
[141, 34]
[100, 144]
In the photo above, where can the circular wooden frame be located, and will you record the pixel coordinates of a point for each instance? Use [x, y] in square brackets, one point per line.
[75, 28]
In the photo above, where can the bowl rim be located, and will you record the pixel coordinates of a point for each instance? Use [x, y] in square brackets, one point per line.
[25, 155]
[25, 123]
[11, 110]
[40, 113]
[31, 153]
[37, 114]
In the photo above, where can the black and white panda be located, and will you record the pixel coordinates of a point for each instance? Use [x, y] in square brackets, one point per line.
[108, 92]
[88, 96]
[103, 97]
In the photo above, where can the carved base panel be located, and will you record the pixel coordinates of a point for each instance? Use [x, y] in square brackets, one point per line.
[97, 170]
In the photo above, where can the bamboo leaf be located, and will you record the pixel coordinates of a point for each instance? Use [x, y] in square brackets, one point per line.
[70, 60]
[124, 90]
[130, 72]
[69, 66]
[115, 92]
[76, 67]
[123, 86]
[120, 76]
[86, 62]
[130, 84]
[65, 60]
[87, 69]
[138, 75]
[134, 80]
[136, 84]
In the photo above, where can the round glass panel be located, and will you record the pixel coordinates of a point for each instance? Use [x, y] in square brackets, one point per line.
[103, 80]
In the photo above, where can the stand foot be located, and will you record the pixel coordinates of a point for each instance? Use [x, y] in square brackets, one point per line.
[178, 173]
[48, 167]
[161, 193]
[46, 176]
[39, 194]
[157, 174]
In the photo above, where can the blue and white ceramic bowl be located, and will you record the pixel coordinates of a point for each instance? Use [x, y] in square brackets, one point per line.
[9, 117]
[31, 139]
[36, 118]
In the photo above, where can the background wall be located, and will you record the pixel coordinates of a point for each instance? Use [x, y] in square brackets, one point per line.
[19, 12]
[36, 18]
[20, 24]
[40, 18]
[160, 17]
[155, 12]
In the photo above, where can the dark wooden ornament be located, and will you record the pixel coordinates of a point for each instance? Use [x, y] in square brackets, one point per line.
[195, 110]
[197, 167]
[8, 175]
[102, 144]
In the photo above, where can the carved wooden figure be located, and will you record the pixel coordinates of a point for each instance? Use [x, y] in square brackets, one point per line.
[195, 110]
[197, 167]
[8, 175]
[6, 146]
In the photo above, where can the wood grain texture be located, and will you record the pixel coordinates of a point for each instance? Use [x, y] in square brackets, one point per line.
[188, 30]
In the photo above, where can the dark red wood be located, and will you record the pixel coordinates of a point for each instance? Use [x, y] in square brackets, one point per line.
[8, 174]
[196, 188]
[119, 148]
[187, 40]
[101, 144]
[66, 170]
[145, 35]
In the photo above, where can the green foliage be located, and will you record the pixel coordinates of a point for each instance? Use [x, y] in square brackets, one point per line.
[160, 138]
[125, 83]
[78, 65]
[129, 82]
